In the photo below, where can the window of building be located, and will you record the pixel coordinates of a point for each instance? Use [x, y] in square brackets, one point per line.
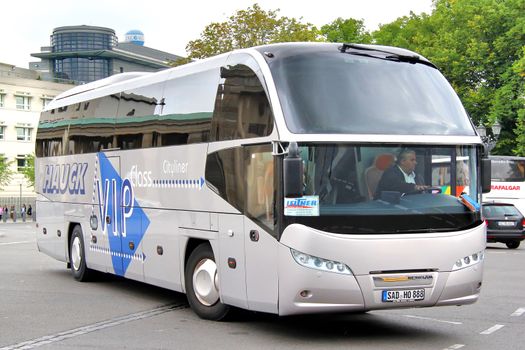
[2, 131]
[23, 102]
[2, 100]
[45, 102]
[21, 162]
[23, 134]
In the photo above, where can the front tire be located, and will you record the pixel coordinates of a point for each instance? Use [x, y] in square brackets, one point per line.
[77, 256]
[513, 244]
[202, 284]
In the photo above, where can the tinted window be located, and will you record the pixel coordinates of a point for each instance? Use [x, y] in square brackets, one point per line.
[137, 123]
[185, 116]
[326, 91]
[87, 127]
[242, 109]
[224, 171]
[508, 170]
[245, 178]
[500, 210]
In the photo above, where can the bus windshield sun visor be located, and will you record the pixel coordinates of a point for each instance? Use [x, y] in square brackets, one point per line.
[390, 56]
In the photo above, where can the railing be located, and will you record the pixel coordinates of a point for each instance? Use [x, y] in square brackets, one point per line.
[36, 76]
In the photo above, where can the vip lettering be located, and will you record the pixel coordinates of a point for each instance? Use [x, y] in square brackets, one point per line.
[62, 178]
[116, 203]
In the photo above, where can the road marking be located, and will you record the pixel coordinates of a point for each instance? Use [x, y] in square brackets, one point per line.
[53, 338]
[492, 329]
[454, 347]
[19, 242]
[519, 312]
[432, 319]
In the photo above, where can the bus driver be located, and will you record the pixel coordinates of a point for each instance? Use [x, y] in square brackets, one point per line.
[401, 177]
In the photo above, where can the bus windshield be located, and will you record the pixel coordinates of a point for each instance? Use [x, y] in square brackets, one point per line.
[359, 189]
[508, 169]
[333, 92]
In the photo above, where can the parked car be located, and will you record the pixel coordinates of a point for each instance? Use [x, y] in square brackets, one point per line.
[505, 224]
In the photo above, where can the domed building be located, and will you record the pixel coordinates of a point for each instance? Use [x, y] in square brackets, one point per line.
[87, 53]
[135, 36]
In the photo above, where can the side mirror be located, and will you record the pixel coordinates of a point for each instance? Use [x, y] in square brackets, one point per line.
[486, 175]
[293, 172]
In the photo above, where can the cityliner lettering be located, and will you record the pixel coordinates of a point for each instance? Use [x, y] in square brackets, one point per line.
[505, 187]
[62, 178]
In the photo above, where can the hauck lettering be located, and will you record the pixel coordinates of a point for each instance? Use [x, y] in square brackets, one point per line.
[62, 178]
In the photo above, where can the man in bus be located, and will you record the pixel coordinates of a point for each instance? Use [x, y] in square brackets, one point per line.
[401, 177]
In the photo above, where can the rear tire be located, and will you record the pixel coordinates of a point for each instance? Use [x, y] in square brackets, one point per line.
[513, 244]
[202, 284]
[77, 256]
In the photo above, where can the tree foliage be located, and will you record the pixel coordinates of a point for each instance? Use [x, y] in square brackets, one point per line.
[5, 172]
[251, 27]
[478, 45]
[29, 170]
[346, 31]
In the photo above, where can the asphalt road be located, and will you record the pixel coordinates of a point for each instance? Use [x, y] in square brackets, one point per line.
[41, 306]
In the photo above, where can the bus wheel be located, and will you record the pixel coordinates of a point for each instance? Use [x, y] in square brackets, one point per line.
[513, 244]
[77, 256]
[202, 284]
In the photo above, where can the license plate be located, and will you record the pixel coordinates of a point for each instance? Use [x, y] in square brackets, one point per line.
[506, 223]
[405, 295]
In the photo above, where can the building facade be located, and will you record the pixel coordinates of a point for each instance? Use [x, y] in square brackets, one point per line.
[23, 95]
[87, 53]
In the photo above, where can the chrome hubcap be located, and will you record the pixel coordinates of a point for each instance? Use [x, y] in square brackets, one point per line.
[206, 282]
[75, 253]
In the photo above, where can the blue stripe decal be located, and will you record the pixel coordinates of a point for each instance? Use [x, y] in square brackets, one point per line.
[126, 221]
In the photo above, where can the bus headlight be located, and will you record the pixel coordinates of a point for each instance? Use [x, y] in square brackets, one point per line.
[317, 263]
[469, 260]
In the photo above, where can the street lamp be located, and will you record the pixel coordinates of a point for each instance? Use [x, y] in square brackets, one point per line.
[489, 140]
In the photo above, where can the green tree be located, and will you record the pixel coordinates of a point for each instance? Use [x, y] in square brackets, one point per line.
[476, 44]
[251, 27]
[5, 171]
[346, 31]
[179, 62]
[29, 170]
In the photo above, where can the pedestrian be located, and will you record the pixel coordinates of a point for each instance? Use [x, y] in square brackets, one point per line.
[13, 213]
[6, 214]
[23, 212]
[1, 212]
[29, 210]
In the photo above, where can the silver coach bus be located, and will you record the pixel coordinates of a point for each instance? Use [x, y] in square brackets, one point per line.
[250, 180]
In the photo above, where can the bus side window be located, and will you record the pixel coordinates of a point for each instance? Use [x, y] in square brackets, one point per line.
[259, 165]
[242, 109]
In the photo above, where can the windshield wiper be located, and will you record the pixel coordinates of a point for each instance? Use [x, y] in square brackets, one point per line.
[391, 56]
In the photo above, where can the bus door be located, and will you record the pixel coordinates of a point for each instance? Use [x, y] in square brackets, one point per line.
[231, 262]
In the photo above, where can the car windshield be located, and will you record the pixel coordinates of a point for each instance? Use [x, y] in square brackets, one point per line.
[491, 211]
[372, 189]
[333, 92]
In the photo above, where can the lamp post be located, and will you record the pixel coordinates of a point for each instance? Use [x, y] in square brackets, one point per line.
[489, 140]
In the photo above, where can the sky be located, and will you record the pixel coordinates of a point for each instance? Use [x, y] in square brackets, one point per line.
[169, 25]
